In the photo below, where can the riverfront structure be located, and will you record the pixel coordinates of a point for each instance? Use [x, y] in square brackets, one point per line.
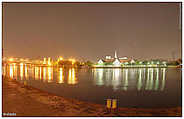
[128, 62]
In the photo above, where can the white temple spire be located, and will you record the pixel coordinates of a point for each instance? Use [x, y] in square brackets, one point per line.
[115, 56]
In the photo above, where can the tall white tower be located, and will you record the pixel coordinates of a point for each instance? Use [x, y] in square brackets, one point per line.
[115, 56]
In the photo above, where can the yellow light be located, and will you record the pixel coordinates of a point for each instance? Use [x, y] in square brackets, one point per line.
[114, 103]
[21, 70]
[11, 71]
[60, 58]
[11, 59]
[44, 61]
[44, 73]
[36, 72]
[49, 62]
[40, 73]
[72, 77]
[109, 103]
[26, 71]
[50, 74]
[61, 78]
[72, 60]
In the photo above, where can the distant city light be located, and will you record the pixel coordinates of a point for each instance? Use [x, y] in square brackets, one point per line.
[11, 59]
[60, 58]
[44, 61]
[49, 61]
[72, 60]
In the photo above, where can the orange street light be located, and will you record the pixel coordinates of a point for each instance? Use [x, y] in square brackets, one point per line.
[11, 59]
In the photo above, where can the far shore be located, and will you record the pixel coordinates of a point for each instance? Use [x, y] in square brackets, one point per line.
[24, 100]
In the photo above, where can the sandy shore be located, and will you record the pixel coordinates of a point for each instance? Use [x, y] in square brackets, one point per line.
[27, 101]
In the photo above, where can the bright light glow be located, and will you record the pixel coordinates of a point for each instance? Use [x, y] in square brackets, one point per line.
[26, 71]
[44, 61]
[116, 78]
[126, 63]
[40, 72]
[21, 71]
[147, 80]
[60, 58]
[11, 59]
[50, 74]
[49, 61]
[71, 77]
[11, 71]
[139, 85]
[44, 73]
[163, 79]
[4, 70]
[157, 79]
[100, 62]
[61, 77]
[36, 72]
[72, 60]
[116, 62]
[151, 80]
[15, 70]
[98, 76]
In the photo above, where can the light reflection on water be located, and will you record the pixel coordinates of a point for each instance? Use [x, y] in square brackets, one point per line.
[147, 78]
[124, 79]
[60, 76]
[39, 73]
[141, 87]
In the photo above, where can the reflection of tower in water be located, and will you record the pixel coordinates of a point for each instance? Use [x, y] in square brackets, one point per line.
[126, 80]
[116, 78]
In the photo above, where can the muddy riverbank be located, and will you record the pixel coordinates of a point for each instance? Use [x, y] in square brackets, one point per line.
[24, 100]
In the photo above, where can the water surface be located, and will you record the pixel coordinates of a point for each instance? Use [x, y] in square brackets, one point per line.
[132, 87]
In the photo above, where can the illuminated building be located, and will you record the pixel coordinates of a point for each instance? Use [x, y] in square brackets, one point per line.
[116, 62]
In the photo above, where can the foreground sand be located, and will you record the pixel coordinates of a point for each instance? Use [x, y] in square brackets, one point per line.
[27, 101]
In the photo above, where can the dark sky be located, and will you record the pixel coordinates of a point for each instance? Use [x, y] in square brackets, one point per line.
[92, 30]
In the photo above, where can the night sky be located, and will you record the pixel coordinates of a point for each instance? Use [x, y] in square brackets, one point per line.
[92, 30]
